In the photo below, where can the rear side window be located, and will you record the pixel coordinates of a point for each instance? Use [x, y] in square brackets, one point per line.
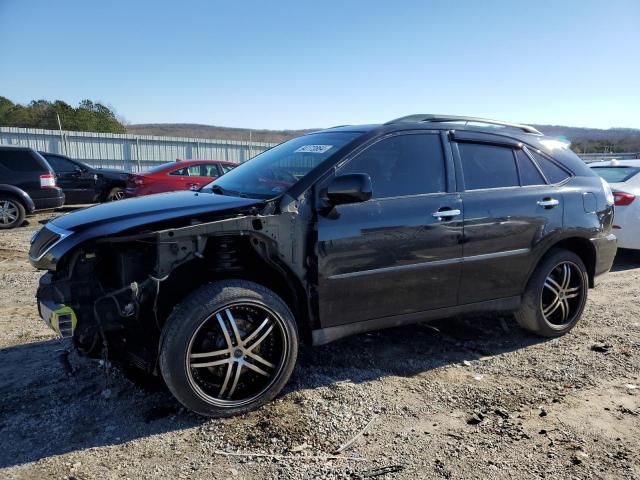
[529, 173]
[487, 166]
[20, 161]
[60, 164]
[180, 172]
[553, 172]
[402, 165]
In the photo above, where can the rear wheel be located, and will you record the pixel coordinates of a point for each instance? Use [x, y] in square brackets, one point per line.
[114, 194]
[11, 212]
[228, 348]
[555, 296]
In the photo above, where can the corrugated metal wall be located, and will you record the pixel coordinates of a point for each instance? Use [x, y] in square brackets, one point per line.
[130, 152]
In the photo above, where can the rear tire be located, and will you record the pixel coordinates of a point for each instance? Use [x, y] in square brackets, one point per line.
[115, 194]
[12, 213]
[228, 348]
[555, 296]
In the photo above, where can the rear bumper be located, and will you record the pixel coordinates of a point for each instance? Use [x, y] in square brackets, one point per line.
[606, 248]
[45, 203]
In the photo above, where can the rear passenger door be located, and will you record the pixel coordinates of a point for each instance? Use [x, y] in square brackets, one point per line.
[393, 254]
[78, 183]
[509, 208]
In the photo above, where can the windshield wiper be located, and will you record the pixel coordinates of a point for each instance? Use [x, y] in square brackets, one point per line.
[232, 193]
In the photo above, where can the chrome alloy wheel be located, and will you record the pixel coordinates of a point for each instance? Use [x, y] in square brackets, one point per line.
[8, 212]
[236, 354]
[563, 294]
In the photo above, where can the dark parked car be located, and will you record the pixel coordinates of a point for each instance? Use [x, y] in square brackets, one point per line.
[83, 183]
[423, 217]
[27, 184]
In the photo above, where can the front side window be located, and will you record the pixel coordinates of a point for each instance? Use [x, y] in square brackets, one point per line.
[487, 166]
[226, 168]
[402, 165]
[279, 168]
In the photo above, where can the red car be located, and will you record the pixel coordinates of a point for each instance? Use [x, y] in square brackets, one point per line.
[178, 175]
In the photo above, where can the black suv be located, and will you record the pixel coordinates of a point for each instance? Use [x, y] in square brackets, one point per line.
[82, 183]
[27, 184]
[375, 226]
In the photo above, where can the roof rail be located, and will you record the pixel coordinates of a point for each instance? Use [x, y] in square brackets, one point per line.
[456, 118]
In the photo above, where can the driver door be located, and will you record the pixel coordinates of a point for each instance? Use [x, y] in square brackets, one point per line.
[392, 254]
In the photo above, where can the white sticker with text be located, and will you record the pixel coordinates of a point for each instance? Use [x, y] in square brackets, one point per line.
[313, 149]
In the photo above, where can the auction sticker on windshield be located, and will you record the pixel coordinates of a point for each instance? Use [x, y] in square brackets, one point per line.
[313, 149]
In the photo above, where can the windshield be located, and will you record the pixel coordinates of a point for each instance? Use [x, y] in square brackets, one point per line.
[616, 174]
[274, 171]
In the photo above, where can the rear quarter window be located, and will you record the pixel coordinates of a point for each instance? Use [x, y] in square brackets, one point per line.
[553, 172]
[21, 161]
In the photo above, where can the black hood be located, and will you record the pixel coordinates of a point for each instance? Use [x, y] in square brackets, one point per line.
[136, 212]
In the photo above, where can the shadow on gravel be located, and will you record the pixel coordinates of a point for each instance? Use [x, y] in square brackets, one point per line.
[52, 403]
[626, 260]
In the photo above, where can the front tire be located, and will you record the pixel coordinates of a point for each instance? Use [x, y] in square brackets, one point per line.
[555, 296]
[228, 348]
[11, 213]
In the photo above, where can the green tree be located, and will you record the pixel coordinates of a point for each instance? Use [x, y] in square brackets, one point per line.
[87, 117]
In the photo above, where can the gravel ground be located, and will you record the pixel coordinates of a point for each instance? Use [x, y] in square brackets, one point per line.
[462, 398]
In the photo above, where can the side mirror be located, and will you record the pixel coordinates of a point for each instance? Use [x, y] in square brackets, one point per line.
[349, 188]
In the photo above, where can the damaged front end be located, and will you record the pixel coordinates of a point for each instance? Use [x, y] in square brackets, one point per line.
[113, 294]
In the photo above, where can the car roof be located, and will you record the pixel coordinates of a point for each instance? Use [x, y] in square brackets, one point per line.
[193, 160]
[523, 133]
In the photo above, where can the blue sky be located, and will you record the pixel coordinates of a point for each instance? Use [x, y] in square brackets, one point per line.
[305, 64]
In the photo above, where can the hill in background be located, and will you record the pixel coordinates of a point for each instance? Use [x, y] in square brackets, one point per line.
[583, 140]
[194, 130]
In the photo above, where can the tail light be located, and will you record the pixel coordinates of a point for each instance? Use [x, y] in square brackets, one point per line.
[622, 198]
[136, 181]
[47, 181]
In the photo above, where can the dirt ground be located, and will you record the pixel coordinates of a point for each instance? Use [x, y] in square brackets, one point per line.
[462, 398]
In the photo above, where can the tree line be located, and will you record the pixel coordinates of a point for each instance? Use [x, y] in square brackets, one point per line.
[88, 116]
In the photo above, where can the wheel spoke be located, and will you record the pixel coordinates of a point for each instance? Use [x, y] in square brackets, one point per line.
[552, 285]
[566, 279]
[256, 369]
[564, 306]
[235, 380]
[552, 307]
[226, 379]
[256, 331]
[210, 354]
[258, 358]
[211, 364]
[225, 332]
[259, 341]
[234, 326]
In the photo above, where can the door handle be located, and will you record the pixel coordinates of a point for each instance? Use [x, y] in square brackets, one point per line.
[446, 213]
[549, 202]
